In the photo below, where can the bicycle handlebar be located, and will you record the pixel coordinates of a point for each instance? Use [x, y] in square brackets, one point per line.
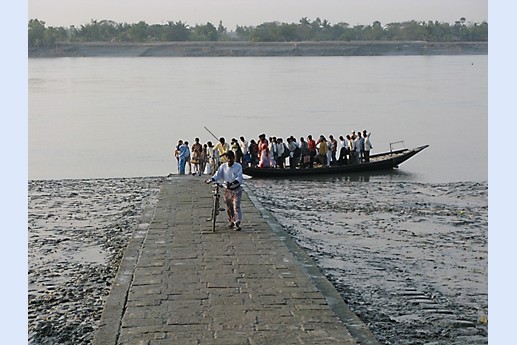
[215, 183]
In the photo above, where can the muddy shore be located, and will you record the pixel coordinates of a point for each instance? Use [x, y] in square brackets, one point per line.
[78, 231]
[242, 49]
[410, 259]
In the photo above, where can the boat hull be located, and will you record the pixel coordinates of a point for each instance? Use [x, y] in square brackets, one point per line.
[378, 162]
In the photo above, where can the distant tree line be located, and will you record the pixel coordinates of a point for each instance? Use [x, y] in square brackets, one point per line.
[304, 30]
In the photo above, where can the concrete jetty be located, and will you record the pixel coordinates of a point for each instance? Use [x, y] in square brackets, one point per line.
[179, 283]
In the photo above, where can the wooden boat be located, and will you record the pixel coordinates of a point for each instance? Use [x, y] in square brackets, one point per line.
[379, 161]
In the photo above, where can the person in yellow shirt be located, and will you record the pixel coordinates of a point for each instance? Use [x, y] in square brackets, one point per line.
[322, 150]
[220, 150]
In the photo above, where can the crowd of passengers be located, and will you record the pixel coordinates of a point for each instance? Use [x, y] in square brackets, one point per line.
[274, 152]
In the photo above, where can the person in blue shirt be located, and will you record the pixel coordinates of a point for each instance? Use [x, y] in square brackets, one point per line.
[183, 155]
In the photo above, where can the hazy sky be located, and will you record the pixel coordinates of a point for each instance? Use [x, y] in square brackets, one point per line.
[254, 12]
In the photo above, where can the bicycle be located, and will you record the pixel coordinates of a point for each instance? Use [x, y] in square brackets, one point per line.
[216, 207]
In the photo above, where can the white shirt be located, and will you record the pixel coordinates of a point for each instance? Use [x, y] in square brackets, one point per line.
[227, 173]
[280, 149]
[367, 143]
[244, 147]
[359, 144]
[351, 145]
[273, 147]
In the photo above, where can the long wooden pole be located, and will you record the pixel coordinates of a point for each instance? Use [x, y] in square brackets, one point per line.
[216, 138]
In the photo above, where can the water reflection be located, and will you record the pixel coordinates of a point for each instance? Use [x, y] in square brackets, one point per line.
[373, 176]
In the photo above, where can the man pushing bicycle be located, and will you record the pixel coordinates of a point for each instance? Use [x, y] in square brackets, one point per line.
[229, 175]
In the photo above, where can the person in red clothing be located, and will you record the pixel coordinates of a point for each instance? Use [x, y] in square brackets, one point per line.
[264, 158]
[311, 144]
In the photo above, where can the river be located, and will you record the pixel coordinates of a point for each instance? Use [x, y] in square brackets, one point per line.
[121, 117]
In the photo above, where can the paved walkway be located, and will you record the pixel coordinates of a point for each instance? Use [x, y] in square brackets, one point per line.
[179, 283]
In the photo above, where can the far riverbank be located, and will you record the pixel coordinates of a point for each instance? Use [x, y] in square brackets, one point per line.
[243, 49]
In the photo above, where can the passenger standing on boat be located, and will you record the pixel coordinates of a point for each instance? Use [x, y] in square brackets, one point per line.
[359, 147]
[260, 143]
[196, 155]
[367, 145]
[304, 150]
[230, 175]
[221, 148]
[282, 153]
[262, 140]
[254, 153]
[183, 152]
[322, 150]
[245, 151]
[264, 161]
[329, 153]
[311, 144]
[236, 148]
[294, 152]
[351, 149]
[333, 146]
[273, 152]
[343, 151]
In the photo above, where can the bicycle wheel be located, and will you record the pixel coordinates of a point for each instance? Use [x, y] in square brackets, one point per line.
[215, 211]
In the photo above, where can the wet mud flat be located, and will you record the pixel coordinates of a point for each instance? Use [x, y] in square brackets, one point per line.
[410, 259]
[78, 230]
